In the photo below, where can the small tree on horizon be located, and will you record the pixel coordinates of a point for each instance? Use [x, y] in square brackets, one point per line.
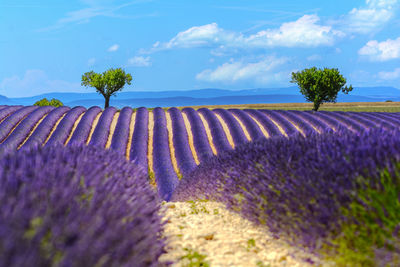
[319, 86]
[107, 83]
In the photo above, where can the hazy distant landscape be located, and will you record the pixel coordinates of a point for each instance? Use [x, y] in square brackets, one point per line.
[207, 96]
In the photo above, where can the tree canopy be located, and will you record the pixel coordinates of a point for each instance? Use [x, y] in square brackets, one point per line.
[107, 83]
[320, 85]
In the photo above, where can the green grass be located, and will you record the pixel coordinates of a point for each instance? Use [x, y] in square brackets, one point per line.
[371, 222]
[195, 259]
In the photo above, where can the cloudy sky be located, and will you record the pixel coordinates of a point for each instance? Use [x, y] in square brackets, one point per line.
[46, 46]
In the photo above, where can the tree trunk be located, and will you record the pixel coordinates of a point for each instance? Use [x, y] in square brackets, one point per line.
[107, 103]
[316, 106]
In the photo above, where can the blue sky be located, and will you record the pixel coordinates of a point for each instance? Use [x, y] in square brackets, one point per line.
[46, 46]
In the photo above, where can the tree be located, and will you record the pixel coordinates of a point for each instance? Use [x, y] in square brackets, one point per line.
[107, 83]
[319, 85]
[44, 102]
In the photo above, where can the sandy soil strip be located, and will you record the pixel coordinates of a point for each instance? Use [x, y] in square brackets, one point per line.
[112, 129]
[223, 237]
[150, 149]
[94, 124]
[208, 132]
[226, 130]
[295, 126]
[73, 128]
[246, 133]
[131, 128]
[266, 134]
[54, 128]
[190, 135]
[171, 145]
[33, 129]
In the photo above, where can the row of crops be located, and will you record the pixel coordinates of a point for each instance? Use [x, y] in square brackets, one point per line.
[328, 181]
[170, 144]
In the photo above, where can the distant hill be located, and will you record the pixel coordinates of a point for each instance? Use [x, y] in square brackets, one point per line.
[208, 96]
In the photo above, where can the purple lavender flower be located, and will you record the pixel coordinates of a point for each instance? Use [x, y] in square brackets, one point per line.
[76, 206]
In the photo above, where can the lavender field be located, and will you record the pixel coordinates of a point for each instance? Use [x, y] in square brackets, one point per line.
[328, 181]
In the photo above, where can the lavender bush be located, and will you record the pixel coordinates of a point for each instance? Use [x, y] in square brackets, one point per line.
[296, 186]
[76, 206]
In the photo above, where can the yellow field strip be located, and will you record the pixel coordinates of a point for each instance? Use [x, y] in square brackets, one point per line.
[94, 124]
[150, 149]
[277, 125]
[266, 134]
[131, 128]
[190, 136]
[246, 133]
[33, 129]
[73, 128]
[208, 132]
[54, 128]
[226, 130]
[171, 145]
[296, 126]
[112, 129]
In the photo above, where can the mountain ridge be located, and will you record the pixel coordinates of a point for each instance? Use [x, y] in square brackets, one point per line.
[211, 96]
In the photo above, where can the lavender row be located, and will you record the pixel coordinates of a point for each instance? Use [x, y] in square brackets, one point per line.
[139, 145]
[364, 122]
[268, 125]
[235, 129]
[21, 132]
[121, 134]
[183, 153]
[219, 137]
[11, 121]
[348, 122]
[379, 122]
[43, 130]
[321, 125]
[287, 126]
[102, 130]
[164, 172]
[386, 117]
[65, 126]
[303, 125]
[5, 112]
[329, 120]
[200, 140]
[82, 131]
[251, 126]
[77, 206]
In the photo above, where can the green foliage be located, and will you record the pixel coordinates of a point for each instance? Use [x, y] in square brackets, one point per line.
[373, 219]
[107, 83]
[195, 259]
[319, 86]
[44, 102]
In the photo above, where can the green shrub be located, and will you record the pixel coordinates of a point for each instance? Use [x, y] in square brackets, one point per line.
[44, 102]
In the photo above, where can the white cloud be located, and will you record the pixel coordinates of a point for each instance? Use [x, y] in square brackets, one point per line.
[381, 51]
[371, 17]
[236, 71]
[390, 75]
[34, 82]
[113, 48]
[105, 8]
[304, 32]
[139, 61]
